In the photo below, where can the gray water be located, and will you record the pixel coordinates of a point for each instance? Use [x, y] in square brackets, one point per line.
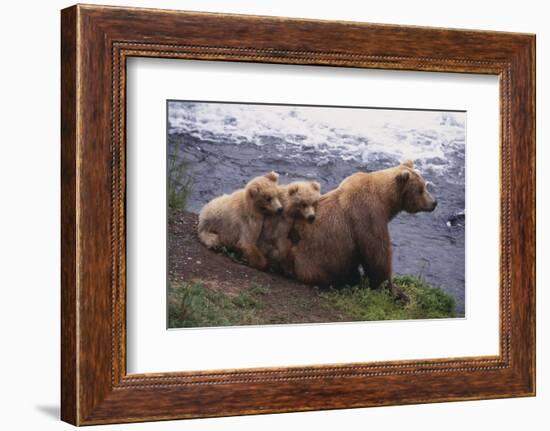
[226, 145]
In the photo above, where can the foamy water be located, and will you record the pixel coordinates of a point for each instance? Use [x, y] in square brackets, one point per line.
[427, 137]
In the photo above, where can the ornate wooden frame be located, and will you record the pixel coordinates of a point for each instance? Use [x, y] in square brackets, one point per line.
[95, 43]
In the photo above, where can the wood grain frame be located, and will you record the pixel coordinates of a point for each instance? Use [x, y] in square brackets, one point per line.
[95, 43]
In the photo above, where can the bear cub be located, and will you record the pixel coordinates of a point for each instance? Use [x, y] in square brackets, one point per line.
[299, 200]
[235, 221]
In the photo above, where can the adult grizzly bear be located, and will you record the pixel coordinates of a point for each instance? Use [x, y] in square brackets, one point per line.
[351, 228]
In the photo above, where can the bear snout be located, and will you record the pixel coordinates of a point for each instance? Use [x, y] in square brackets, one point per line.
[434, 205]
[311, 218]
[276, 206]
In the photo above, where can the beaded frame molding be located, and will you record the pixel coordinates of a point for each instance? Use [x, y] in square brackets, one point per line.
[95, 43]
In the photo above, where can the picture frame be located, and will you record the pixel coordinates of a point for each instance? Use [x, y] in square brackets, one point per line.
[96, 42]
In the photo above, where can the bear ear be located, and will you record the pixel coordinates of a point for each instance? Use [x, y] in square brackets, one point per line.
[316, 186]
[403, 177]
[293, 189]
[408, 163]
[273, 176]
[253, 191]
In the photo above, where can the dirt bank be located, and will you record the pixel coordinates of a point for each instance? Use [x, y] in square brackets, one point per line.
[284, 300]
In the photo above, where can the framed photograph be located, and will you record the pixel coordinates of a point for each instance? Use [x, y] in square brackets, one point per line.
[265, 214]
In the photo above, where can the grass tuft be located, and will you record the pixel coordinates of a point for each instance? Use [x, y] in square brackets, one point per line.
[231, 253]
[360, 303]
[191, 304]
[180, 182]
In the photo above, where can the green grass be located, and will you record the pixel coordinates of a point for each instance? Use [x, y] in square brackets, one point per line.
[194, 305]
[180, 182]
[361, 303]
[232, 254]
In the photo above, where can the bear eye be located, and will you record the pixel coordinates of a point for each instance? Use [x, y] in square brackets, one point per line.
[268, 199]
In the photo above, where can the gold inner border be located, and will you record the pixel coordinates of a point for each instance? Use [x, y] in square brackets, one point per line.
[122, 50]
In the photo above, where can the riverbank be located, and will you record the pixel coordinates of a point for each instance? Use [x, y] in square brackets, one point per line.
[208, 288]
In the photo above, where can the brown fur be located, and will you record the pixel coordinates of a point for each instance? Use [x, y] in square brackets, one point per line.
[235, 221]
[299, 201]
[351, 227]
